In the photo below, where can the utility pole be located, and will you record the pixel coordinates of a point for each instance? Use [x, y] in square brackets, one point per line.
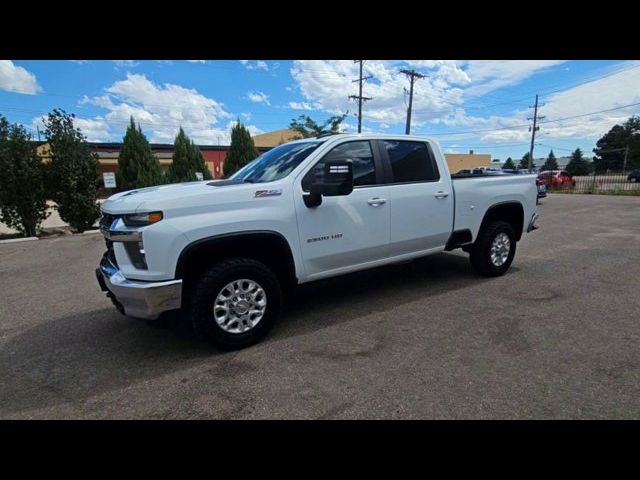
[359, 97]
[624, 164]
[533, 130]
[412, 74]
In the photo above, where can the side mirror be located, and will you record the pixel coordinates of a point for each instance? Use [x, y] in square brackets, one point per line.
[337, 181]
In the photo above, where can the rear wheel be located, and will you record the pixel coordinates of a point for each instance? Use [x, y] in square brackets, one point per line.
[235, 303]
[494, 249]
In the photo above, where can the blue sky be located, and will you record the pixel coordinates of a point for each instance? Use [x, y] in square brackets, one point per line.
[478, 104]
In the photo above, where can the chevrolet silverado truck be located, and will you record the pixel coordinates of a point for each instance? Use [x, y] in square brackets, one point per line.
[227, 252]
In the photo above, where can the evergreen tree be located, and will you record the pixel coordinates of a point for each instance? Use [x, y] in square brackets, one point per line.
[524, 162]
[577, 164]
[551, 162]
[73, 171]
[198, 162]
[610, 149]
[181, 168]
[509, 164]
[138, 167]
[23, 203]
[241, 151]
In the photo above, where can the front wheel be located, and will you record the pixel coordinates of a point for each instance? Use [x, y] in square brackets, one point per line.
[494, 249]
[235, 303]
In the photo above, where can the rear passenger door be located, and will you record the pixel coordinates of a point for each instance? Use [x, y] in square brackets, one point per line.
[420, 198]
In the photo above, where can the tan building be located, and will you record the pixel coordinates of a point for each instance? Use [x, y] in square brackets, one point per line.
[467, 161]
[275, 138]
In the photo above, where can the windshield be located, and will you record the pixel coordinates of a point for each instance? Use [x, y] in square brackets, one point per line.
[275, 164]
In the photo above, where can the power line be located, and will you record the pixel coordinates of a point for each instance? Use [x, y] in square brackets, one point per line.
[359, 98]
[412, 75]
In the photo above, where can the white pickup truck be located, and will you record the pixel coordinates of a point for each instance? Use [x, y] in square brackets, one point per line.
[227, 252]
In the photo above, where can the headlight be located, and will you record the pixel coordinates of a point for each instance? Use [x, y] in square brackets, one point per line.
[141, 219]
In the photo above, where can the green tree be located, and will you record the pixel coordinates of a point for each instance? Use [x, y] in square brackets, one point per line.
[241, 151]
[610, 149]
[509, 164]
[181, 168]
[138, 167]
[551, 163]
[23, 203]
[577, 165]
[198, 162]
[524, 162]
[307, 127]
[73, 172]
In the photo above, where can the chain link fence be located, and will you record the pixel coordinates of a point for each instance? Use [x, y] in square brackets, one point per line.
[601, 183]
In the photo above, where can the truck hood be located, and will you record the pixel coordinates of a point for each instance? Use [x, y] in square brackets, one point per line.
[175, 198]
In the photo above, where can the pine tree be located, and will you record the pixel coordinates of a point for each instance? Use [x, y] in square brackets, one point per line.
[577, 164]
[138, 167]
[198, 162]
[73, 171]
[524, 162]
[241, 151]
[23, 203]
[181, 168]
[551, 163]
[509, 164]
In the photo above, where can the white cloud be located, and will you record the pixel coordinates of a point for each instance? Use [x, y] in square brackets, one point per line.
[197, 61]
[79, 62]
[326, 85]
[125, 63]
[618, 87]
[161, 110]
[258, 97]
[17, 79]
[488, 75]
[301, 106]
[257, 65]
[442, 96]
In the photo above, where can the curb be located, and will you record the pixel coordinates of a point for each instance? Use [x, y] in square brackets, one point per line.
[90, 232]
[16, 240]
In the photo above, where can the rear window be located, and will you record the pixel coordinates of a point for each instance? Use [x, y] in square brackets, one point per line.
[411, 161]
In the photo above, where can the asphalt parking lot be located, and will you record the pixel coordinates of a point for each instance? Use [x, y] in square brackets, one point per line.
[556, 337]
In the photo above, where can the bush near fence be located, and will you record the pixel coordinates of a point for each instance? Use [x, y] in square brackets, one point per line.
[600, 183]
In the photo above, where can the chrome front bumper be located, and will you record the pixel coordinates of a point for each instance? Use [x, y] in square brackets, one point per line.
[136, 298]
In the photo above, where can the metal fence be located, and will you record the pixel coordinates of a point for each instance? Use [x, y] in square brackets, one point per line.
[600, 183]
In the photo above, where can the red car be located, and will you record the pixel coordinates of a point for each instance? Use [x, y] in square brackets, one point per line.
[556, 178]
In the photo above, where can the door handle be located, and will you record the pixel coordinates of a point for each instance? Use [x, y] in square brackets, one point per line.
[441, 194]
[376, 201]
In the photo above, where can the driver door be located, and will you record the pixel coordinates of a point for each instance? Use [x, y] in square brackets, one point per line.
[348, 232]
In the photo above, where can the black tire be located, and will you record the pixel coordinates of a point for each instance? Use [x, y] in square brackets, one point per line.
[210, 285]
[480, 254]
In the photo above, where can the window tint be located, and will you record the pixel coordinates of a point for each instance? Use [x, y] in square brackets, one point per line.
[364, 172]
[411, 161]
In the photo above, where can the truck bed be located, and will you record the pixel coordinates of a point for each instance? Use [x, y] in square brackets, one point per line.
[474, 194]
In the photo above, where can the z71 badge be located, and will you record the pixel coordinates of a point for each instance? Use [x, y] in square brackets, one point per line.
[268, 193]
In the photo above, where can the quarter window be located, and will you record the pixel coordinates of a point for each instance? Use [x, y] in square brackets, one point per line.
[411, 161]
[360, 154]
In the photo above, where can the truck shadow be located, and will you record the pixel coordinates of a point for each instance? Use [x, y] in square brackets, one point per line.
[71, 359]
[322, 303]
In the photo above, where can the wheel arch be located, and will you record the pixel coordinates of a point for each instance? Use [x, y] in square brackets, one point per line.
[266, 246]
[511, 212]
